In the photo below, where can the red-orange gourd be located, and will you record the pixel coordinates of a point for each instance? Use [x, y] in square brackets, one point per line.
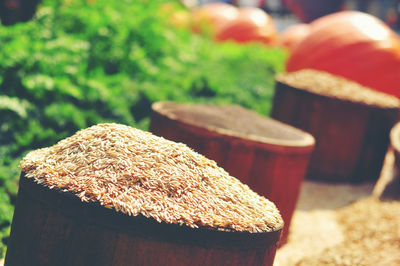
[180, 18]
[293, 35]
[354, 45]
[212, 16]
[251, 25]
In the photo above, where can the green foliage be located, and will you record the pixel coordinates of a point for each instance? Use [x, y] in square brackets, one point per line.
[79, 63]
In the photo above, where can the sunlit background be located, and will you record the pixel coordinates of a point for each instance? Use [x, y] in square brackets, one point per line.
[68, 64]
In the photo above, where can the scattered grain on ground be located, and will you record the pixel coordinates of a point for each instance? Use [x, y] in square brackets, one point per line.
[371, 236]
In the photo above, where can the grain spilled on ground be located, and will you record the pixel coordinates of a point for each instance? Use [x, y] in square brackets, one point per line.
[135, 172]
[371, 231]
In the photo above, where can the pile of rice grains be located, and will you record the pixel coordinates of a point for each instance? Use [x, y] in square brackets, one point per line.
[372, 236]
[135, 172]
[326, 84]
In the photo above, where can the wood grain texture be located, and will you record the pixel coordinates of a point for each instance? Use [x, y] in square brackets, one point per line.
[267, 155]
[51, 227]
[351, 138]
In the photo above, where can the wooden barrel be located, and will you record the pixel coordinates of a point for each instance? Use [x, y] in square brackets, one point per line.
[388, 185]
[51, 227]
[267, 155]
[350, 123]
[395, 143]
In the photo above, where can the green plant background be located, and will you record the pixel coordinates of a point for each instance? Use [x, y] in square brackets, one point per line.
[79, 63]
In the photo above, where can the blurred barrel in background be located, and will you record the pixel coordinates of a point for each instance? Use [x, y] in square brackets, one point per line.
[350, 123]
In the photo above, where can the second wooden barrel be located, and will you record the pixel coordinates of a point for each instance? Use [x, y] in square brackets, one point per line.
[265, 154]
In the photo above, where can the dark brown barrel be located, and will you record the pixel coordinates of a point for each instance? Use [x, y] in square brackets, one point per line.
[51, 227]
[392, 189]
[351, 133]
[395, 143]
[267, 155]
[388, 185]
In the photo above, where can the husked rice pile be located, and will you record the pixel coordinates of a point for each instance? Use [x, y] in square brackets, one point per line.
[372, 236]
[326, 84]
[135, 172]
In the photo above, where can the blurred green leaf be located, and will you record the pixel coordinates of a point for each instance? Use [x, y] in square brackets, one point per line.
[18, 106]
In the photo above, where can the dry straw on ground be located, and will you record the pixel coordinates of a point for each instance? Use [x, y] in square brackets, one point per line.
[136, 173]
[326, 84]
[340, 224]
[371, 236]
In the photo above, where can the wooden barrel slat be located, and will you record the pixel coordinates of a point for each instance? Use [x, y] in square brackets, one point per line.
[53, 242]
[22, 245]
[186, 255]
[96, 245]
[215, 148]
[133, 251]
[331, 160]
[376, 141]
[240, 160]
[263, 166]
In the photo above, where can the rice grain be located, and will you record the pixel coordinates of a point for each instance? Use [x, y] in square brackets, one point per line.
[326, 84]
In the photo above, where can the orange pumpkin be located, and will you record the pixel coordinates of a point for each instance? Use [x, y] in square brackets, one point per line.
[212, 16]
[354, 45]
[180, 19]
[251, 25]
[293, 35]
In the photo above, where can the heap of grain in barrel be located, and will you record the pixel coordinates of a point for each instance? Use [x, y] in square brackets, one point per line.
[137, 173]
[350, 123]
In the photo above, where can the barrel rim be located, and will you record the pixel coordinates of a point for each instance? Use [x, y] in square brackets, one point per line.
[279, 84]
[306, 144]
